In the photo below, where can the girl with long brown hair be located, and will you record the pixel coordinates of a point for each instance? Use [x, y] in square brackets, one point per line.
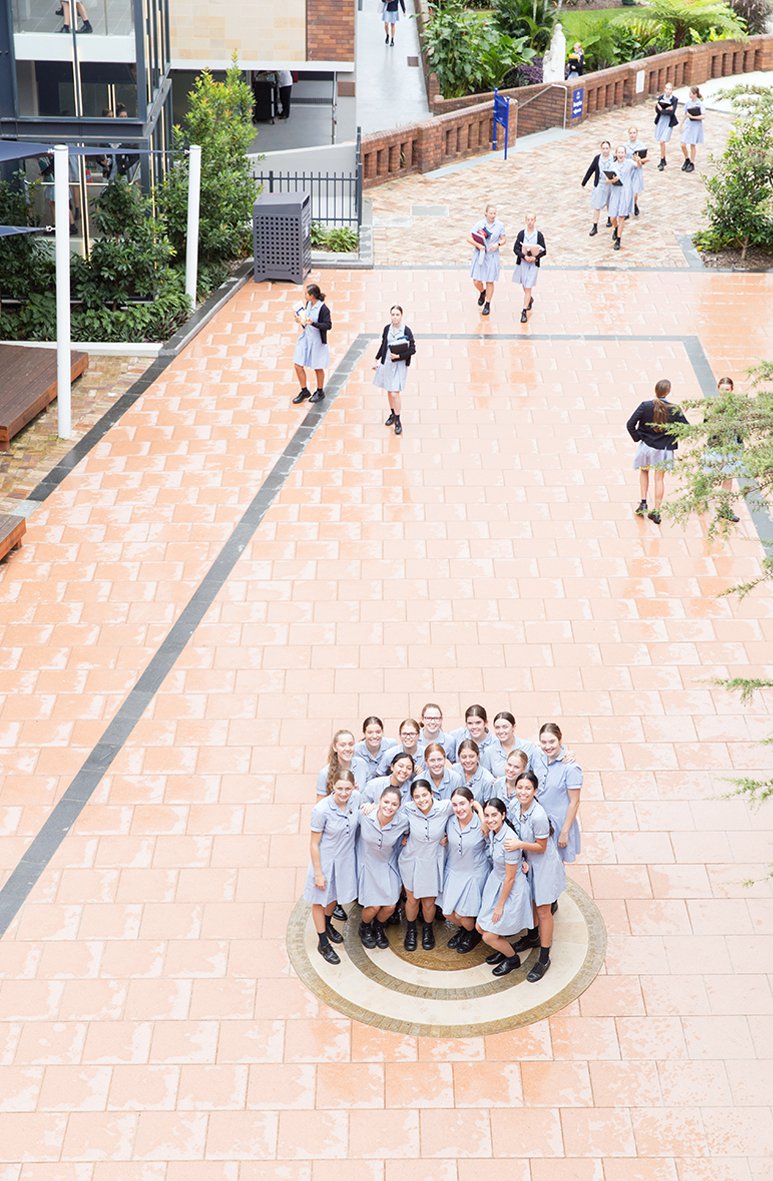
[648, 426]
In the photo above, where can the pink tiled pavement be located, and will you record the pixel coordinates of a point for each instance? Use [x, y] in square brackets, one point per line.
[151, 1028]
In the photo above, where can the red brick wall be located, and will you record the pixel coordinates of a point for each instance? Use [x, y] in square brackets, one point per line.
[330, 30]
[426, 146]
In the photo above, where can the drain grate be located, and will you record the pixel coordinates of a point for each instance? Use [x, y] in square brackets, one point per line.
[413, 61]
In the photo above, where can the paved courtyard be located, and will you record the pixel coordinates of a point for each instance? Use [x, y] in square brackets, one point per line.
[220, 584]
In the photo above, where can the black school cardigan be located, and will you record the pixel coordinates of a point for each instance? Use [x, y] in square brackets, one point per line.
[673, 102]
[639, 426]
[383, 351]
[594, 170]
[324, 323]
[392, 5]
[518, 247]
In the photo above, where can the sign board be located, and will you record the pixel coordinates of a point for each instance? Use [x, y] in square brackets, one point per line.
[501, 118]
[640, 81]
[578, 96]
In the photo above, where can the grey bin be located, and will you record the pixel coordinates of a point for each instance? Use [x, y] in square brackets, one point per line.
[281, 231]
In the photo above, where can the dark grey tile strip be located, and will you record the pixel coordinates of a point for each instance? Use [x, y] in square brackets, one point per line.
[34, 861]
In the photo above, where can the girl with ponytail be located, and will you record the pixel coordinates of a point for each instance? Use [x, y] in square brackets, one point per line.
[648, 426]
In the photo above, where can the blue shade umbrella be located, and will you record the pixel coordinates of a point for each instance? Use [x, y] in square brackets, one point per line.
[12, 149]
[7, 231]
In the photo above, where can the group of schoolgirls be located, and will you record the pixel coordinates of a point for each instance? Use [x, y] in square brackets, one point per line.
[469, 825]
[618, 176]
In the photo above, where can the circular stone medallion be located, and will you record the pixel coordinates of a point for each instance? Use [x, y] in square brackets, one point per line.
[430, 993]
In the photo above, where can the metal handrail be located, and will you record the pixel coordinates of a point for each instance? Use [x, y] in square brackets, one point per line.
[548, 86]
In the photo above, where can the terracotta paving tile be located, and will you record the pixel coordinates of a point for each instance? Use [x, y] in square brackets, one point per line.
[150, 1025]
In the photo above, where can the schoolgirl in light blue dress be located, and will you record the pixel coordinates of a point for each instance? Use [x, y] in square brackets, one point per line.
[692, 128]
[475, 727]
[559, 791]
[495, 754]
[341, 757]
[373, 747]
[442, 779]
[632, 147]
[310, 352]
[422, 861]
[599, 197]
[485, 262]
[506, 903]
[665, 121]
[477, 778]
[547, 877]
[401, 775]
[336, 820]
[379, 846]
[621, 192]
[466, 870]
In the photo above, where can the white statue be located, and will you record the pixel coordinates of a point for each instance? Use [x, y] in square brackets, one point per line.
[554, 61]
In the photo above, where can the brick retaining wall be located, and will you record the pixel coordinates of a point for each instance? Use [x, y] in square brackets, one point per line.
[462, 126]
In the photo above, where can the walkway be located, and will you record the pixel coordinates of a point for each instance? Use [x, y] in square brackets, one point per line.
[428, 218]
[390, 81]
[150, 1026]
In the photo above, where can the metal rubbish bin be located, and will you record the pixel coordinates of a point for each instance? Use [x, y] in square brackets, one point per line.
[281, 225]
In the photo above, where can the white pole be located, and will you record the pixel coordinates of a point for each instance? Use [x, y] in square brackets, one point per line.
[62, 242]
[192, 240]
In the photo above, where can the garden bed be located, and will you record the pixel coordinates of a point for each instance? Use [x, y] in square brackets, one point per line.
[730, 260]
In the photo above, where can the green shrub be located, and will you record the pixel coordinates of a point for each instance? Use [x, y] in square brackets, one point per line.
[467, 51]
[695, 20]
[533, 20]
[740, 193]
[755, 14]
[220, 121]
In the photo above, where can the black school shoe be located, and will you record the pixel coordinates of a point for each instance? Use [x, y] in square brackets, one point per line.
[495, 958]
[327, 953]
[593, 231]
[333, 935]
[456, 939]
[301, 396]
[538, 971]
[339, 913]
[427, 937]
[317, 396]
[391, 419]
[609, 223]
[507, 966]
[379, 934]
[524, 317]
[410, 942]
[471, 939]
[486, 309]
[661, 165]
[367, 937]
[686, 166]
[527, 942]
[481, 299]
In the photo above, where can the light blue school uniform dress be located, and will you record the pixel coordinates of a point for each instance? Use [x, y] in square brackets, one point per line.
[310, 351]
[480, 785]
[527, 273]
[555, 778]
[423, 858]
[621, 196]
[448, 784]
[692, 129]
[359, 771]
[336, 850]
[462, 733]
[377, 764]
[599, 198]
[378, 852]
[494, 758]
[371, 793]
[664, 128]
[637, 179]
[517, 913]
[392, 375]
[447, 741]
[546, 876]
[485, 267]
[467, 868]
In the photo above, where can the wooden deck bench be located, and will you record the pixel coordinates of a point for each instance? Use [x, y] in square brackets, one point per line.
[12, 529]
[28, 385]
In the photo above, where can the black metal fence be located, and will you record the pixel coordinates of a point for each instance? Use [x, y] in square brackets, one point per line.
[336, 197]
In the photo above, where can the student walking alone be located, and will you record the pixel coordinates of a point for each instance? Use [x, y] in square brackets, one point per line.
[648, 426]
